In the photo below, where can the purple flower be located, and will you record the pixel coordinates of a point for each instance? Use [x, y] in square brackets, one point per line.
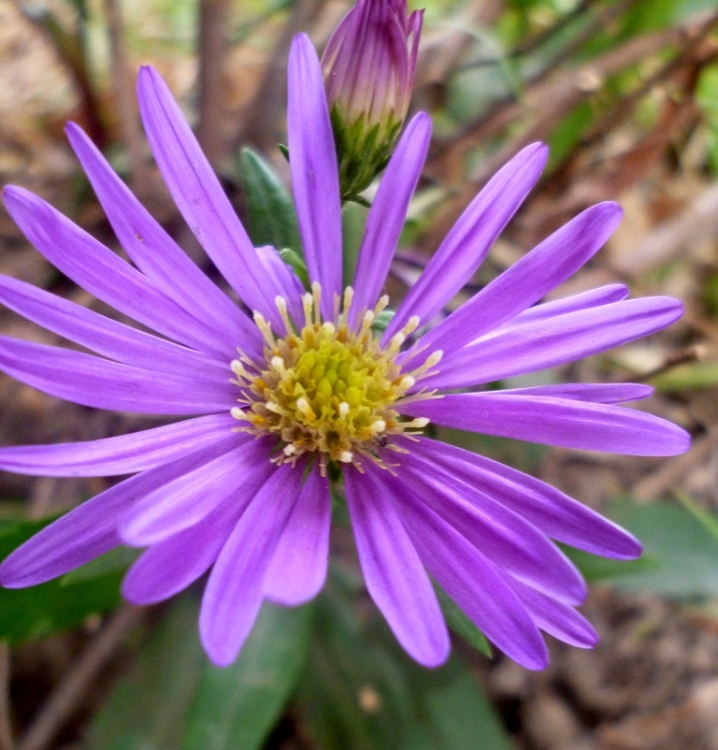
[303, 391]
[369, 64]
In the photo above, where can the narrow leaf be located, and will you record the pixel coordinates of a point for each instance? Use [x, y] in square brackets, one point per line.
[147, 707]
[272, 219]
[362, 692]
[237, 707]
[40, 611]
[460, 624]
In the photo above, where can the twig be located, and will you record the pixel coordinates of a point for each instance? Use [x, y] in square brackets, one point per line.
[684, 356]
[71, 50]
[442, 50]
[213, 47]
[548, 104]
[671, 472]
[263, 113]
[6, 742]
[72, 689]
[696, 222]
[565, 90]
[540, 39]
[129, 124]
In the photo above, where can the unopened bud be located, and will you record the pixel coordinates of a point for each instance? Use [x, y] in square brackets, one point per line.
[369, 64]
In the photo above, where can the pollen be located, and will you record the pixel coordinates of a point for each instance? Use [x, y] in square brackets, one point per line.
[329, 388]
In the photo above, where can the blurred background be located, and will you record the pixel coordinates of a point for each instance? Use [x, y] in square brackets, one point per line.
[626, 94]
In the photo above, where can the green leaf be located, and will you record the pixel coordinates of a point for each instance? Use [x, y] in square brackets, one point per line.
[238, 706]
[117, 560]
[680, 553]
[172, 697]
[296, 262]
[460, 623]
[568, 133]
[40, 611]
[13, 532]
[594, 568]
[709, 521]
[683, 377]
[148, 706]
[454, 713]
[353, 221]
[362, 692]
[382, 320]
[272, 219]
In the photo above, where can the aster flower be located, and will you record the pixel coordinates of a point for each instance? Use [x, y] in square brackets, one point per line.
[369, 64]
[301, 391]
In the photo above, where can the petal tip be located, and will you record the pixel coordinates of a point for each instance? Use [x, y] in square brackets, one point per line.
[434, 659]
[220, 650]
[301, 45]
[534, 662]
[538, 151]
[682, 442]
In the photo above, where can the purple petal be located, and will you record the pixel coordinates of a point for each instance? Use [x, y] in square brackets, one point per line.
[394, 574]
[598, 297]
[468, 577]
[598, 393]
[125, 454]
[170, 566]
[103, 335]
[315, 174]
[199, 196]
[388, 212]
[505, 537]
[549, 264]
[98, 270]
[550, 510]
[90, 529]
[554, 421]
[234, 591]
[91, 381]
[299, 565]
[557, 619]
[470, 239]
[160, 258]
[177, 505]
[565, 338]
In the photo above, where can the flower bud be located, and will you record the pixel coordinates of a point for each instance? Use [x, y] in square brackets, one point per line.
[368, 66]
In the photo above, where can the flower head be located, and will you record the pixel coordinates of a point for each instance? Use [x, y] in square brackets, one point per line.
[301, 391]
[368, 66]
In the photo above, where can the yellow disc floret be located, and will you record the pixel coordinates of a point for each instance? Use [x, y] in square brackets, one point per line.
[329, 388]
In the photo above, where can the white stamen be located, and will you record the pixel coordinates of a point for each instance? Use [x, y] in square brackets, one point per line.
[434, 358]
[281, 304]
[289, 449]
[382, 303]
[346, 457]
[407, 382]
[411, 325]
[343, 409]
[278, 363]
[397, 340]
[378, 427]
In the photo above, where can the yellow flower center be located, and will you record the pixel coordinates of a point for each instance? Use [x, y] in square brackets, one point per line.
[329, 388]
